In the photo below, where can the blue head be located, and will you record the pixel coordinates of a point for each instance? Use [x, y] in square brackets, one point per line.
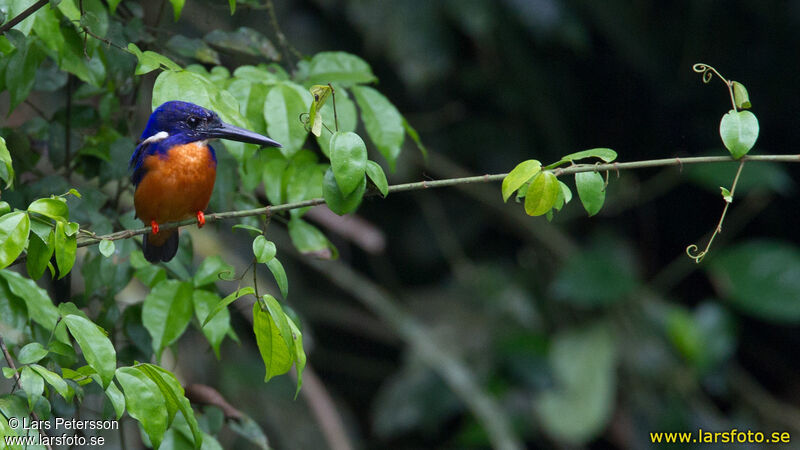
[176, 123]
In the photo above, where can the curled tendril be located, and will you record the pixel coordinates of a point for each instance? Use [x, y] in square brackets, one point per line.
[691, 252]
[708, 73]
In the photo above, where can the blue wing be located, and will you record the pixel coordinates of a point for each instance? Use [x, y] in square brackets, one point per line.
[137, 161]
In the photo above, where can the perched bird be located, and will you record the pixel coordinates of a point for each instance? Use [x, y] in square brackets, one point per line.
[174, 169]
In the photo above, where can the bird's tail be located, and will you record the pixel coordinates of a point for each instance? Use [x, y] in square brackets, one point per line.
[161, 247]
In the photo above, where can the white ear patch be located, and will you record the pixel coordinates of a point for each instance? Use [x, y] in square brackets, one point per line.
[160, 136]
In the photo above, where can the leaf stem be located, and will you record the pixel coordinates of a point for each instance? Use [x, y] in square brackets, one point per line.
[693, 248]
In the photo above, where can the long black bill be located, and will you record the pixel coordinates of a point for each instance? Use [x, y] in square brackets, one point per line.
[234, 133]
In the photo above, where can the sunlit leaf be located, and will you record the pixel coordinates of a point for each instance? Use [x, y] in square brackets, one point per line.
[520, 175]
[542, 194]
[277, 356]
[14, 229]
[739, 132]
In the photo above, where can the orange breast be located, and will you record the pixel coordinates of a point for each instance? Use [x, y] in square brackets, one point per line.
[177, 184]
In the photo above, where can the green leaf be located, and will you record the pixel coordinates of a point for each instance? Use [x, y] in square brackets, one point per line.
[216, 329]
[339, 67]
[758, 279]
[177, 6]
[149, 61]
[210, 270]
[95, 345]
[348, 155]
[54, 208]
[542, 194]
[66, 246]
[605, 154]
[192, 48]
[239, 293]
[279, 273]
[591, 190]
[726, 195]
[581, 404]
[281, 322]
[175, 397]
[33, 384]
[40, 307]
[14, 229]
[31, 353]
[232, 4]
[117, 399]
[740, 96]
[21, 68]
[300, 354]
[107, 247]
[263, 249]
[739, 132]
[250, 42]
[144, 402]
[565, 192]
[336, 201]
[253, 230]
[7, 168]
[519, 176]
[320, 93]
[282, 109]
[378, 177]
[383, 122]
[276, 355]
[53, 379]
[166, 313]
[112, 5]
[412, 133]
[345, 113]
[309, 240]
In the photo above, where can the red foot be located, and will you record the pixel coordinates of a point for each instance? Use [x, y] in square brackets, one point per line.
[154, 226]
[201, 219]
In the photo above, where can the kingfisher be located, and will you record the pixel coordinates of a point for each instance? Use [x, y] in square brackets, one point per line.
[174, 169]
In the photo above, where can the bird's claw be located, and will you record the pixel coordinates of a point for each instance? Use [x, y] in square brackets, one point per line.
[201, 219]
[154, 226]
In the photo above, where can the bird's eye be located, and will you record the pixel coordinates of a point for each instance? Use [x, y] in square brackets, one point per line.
[193, 121]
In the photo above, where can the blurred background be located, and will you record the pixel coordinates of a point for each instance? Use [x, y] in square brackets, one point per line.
[453, 320]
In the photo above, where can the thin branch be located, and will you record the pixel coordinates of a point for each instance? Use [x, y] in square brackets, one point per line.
[11, 364]
[422, 185]
[22, 16]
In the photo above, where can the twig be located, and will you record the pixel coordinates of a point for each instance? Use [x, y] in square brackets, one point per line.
[270, 210]
[11, 364]
[22, 16]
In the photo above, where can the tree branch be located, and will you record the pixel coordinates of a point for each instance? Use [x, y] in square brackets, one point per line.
[575, 168]
[22, 16]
